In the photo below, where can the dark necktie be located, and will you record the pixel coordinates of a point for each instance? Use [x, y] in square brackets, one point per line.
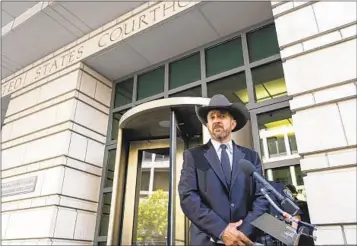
[226, 164]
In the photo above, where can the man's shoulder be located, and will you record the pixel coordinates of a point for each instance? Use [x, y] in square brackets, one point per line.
[200, 147]
[246, 150]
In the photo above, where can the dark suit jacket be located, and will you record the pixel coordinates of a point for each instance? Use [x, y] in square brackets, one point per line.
[207, 200]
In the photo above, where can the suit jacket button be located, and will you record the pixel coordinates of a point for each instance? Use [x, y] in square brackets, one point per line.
[232, 205]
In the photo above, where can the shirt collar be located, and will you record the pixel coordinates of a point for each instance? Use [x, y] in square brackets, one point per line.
[217, 145]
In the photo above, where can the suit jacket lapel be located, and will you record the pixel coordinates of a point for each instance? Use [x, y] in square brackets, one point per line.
[237, 156]
[212, 158]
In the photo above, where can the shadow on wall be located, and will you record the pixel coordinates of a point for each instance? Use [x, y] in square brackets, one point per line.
[4, 105]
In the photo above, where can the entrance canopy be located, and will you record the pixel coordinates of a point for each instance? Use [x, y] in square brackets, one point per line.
[198, 25]
[151, 120]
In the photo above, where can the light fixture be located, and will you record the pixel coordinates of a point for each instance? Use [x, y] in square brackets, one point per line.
[164, 123]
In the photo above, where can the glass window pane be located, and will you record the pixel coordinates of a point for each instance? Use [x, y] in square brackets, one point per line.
[161, 180]
[192, 92]
[233, 87]
[274, 127]
[151, 83]
[269, 81]
[283, 175]
[110, 168]
[104, 220]
[299, 175]
[262, 43]
[292, 142]
[123, 93]
[115, 124]
[150, 224]
[224, 57]
[145, 180]
[185, 71]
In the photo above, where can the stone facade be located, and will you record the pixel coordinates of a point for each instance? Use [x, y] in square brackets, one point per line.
[55, 133]
[318, 45]
[55, 127]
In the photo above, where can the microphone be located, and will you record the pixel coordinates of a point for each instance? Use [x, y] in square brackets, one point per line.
[288, 205]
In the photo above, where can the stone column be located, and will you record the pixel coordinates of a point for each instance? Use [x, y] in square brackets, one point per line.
[53, 141]
[318, 47]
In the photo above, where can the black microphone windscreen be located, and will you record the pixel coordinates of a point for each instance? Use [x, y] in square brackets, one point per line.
[246, 166]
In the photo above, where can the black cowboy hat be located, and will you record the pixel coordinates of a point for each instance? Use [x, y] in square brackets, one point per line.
[219, 102]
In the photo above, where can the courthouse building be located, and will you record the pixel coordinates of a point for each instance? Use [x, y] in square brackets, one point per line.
[98, 104]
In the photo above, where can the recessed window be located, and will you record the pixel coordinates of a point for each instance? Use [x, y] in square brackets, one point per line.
[123, 93]
[224, 57]
[192, 92]
[277, 135]
[233, 87]
[110, 168]
[262, 43]
[104, 220]
[115, 124]
[151, 83]
[185, 71]
[269, 81]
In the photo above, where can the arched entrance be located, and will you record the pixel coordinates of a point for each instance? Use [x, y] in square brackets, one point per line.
[151, 140]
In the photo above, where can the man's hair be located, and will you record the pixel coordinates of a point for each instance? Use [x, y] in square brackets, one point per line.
[292, 188]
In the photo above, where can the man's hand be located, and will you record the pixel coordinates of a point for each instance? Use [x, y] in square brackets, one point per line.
[231, 235]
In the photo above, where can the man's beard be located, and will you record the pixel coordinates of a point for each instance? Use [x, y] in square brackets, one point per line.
[219, 133]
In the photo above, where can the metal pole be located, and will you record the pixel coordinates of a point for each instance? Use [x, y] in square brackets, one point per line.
[171, 210]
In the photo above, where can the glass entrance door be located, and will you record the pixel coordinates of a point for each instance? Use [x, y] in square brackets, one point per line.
[147, 205]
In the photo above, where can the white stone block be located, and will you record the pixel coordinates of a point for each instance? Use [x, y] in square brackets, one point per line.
[292, 50]
[313, 162]
[296, 25]
[351, 234]
[52, 181]
[70, 202]
[24, 204]
[299, 3]
[17, 104]
[301, 101]
[58, 86]
[39, 120]
[5, 217]
[31, 223]
[95, 153]
[334, 93]
[103, 93]
[91, 118]
[319, 128]
[38, 201]
[329, 235]
[13, 156]
[85, 226]
[282, 8]
[78, 146]
[348, 111]
[322, 40]
[342, 157]
[334, 14]
[307, 72]
[50, 146]
[6, 132]
[88, 84]
[350, 31]
[85, 167]
[337, 197]
[69, 242]
[65, 223]
[81, 185]
[65, 111]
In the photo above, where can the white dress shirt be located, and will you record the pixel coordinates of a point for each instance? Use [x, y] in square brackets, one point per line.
[217, 147]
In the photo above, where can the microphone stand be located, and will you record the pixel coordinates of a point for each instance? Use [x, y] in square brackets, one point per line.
[303, 229]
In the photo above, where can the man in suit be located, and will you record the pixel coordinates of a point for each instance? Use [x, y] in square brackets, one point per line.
[216, 196]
